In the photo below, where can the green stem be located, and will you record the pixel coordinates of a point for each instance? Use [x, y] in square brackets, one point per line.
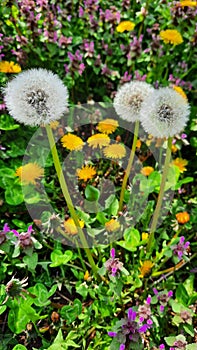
[160, 196]
[129, 166]
[68, 198]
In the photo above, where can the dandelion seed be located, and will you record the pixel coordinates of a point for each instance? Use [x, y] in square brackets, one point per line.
[86, 173]
[125, 26]
[98, 140]
[9, 67]
[107, 126]
[29, 173]
[72, 142]
[129, 98]
[171, 36]
[115, 151]
[181, 164]
[36, 96]
[112, 225]
[165, 113]
[70, 226]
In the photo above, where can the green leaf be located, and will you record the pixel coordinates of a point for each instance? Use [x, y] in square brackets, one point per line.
[188, 328]
[71, 312]
[14, 195]
[132, 239]
[42, 294]
[189, 285]
[92, 193]
[19, 347]
[170, 340]
[31, 261]
[7, 123]
[181, 294]
[2, 309]
[191, 346]
[58, 258]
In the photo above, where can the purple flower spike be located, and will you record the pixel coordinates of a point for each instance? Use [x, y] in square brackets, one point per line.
[143, 329]
[161, 347]
[155, 291]
[131, 315]
[148, 300]
[122, 347]
[161, 308]
[170, 293]
[6, 228]
[16, 233]
[112, 334]
[113, 253]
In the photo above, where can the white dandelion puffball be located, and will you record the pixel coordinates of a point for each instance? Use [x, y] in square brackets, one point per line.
[165, 113]
[129, 98]
[36, 96]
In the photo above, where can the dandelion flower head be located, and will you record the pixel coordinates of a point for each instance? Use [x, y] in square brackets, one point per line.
[71, 227]
[36, 96]
[125, 26]
[86, 173]
[145, 268]
[112, 225]
[107, 126]
[98, 140]
[129, 98]
[171, 36]
[180, 91]
[29, 173]
[165, 113]
[181, 164]
[188, 3]
[9, 67]
[147, 170]
[72, 142]
[115, 151]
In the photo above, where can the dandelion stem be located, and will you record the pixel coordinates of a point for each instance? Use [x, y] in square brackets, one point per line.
[160, 196]
[129, 166]
[67, 197]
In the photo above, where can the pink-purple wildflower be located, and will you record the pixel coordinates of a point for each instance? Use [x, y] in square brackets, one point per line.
[24, 238]
[113, 265]
[3, 233]
[180, 249]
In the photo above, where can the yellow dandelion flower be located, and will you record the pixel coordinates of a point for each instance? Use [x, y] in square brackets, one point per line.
[86, 276]
[183, 217]
[86, 173]
[70, 226]
[98, 140]
[144, 236]
[145, 268]
[72, 142]
[180, 91]
[115, 151]
[125, 26]
[174, 149]
[112, 225]
[30, 172]
[9, 67]
[138, 144]
[171, 36]
[54, 125]
[188, 3]
[147, 170]
[180, 163]
[107, 126]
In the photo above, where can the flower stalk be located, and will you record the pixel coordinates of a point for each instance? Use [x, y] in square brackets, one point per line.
[160, 196]
[67, 197]
[130, 163]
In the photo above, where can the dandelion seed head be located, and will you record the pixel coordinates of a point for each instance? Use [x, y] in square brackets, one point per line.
[129, 99]
[36, 96]
[165, 113]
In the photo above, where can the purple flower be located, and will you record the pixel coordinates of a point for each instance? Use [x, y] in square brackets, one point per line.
[161, 347]
[126, 78]
[24, 238]
[5, 230]
[180, 249]
[163, 297]
[113, 265]
[81, 11]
